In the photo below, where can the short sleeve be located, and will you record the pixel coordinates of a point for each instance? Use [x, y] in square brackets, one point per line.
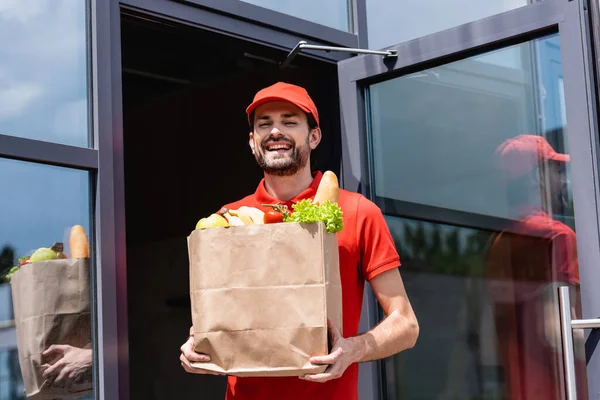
[564, 254]
[377, 249]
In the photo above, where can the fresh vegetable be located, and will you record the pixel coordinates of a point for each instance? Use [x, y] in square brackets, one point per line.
[305, 211]
[11, 272]
[277, 213]
[80, 248]
[273, 217]
[328, 189]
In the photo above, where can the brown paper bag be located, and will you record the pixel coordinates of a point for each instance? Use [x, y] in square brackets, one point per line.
[261, 296]
[52, 306]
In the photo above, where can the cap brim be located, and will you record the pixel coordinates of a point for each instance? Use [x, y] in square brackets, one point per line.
[564, 158]
[264, 100]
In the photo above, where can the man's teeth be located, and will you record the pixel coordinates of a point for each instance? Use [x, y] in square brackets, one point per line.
[279, 147]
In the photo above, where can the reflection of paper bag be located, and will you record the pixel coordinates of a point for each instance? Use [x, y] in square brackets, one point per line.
[52, 306]
[261, 296]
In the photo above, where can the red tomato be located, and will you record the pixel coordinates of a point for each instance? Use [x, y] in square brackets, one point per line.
[273, 217]
[25, 261]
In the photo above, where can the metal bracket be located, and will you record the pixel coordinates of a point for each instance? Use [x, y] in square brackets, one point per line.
[304, 45]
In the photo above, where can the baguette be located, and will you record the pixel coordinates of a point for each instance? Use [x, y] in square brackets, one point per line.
[78, 242]
[328, 189]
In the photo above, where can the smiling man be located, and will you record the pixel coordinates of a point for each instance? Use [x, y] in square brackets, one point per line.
[285, 130]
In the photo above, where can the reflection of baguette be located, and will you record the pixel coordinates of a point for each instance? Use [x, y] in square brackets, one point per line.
[328, 189]
[78, 242]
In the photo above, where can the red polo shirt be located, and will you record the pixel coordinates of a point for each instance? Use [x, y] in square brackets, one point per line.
[523, 260]
[366, 250]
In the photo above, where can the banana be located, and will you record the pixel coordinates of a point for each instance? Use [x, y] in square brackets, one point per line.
[248, 215]
[243, 215]
[233, 220]
[257, 216]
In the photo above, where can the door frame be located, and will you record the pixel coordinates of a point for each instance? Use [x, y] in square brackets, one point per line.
[570, 19]
[111, 335]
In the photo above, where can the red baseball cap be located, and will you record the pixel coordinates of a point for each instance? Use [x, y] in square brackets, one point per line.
[522, 153]
[285, 92]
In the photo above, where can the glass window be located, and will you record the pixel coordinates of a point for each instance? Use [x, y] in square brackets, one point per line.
[11, 385]
[332, 13]
[390, 22]
[47, 300]
[43, 70]
[486, 140]
[477, 106]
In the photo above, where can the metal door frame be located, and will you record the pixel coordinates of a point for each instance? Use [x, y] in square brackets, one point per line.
[111, 330]
[570, 19]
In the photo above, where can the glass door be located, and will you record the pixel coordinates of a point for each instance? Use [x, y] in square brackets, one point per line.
[475, 143]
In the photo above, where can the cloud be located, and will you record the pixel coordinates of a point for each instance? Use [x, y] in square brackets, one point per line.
[43, 69]
[16, 98]
[21, 11]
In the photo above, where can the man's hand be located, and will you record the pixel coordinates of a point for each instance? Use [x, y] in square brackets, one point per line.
[188, 356]
[67, 365]
[343, 354]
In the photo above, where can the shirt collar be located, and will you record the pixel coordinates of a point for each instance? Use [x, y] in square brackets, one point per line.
[263, 197]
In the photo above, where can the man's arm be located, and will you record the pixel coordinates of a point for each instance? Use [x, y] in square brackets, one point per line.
[397, 332]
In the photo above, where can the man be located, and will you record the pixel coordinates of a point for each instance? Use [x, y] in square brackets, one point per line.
[527, 262]
[284, 130]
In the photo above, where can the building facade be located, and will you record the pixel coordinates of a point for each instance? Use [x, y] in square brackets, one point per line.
[127, 117]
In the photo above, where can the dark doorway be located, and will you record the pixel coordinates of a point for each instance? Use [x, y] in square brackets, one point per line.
[185, 91]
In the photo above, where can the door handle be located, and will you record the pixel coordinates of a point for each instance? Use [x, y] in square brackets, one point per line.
[567, 325]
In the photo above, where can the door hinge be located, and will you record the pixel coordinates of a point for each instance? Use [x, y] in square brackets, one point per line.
[304, 45]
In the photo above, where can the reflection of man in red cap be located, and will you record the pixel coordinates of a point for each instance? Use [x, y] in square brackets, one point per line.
[284, 130]
[526, 264]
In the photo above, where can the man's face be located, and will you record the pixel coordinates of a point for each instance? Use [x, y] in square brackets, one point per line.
[282, 140]
[559, 186]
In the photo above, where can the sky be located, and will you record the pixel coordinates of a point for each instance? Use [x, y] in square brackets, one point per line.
[43, 70]
[332, 13]
[39, 204]
[43, 95]
[391, 22]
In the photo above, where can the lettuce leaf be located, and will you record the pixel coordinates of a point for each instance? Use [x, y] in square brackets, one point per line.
[305, 211]
[11, 272]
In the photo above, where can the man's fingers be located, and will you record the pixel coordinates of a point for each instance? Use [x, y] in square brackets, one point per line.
[70, 378]
[55, 348]
[328, 359]
[186, 367]
[52, 370]
[61, 378]
[188, 351]
[319, 378]
[199, 371]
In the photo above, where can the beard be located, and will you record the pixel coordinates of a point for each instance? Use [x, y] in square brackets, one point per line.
[282, 164]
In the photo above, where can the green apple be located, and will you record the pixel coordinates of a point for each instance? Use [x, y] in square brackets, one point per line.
[43, 254]
[212, 221]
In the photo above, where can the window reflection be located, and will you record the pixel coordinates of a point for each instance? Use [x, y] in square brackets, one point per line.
[11, 387]
[443, 268]
[390, 22]
[476, 106]
[43, 70]
[332, 13]
[44, 280]
[486, 144]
